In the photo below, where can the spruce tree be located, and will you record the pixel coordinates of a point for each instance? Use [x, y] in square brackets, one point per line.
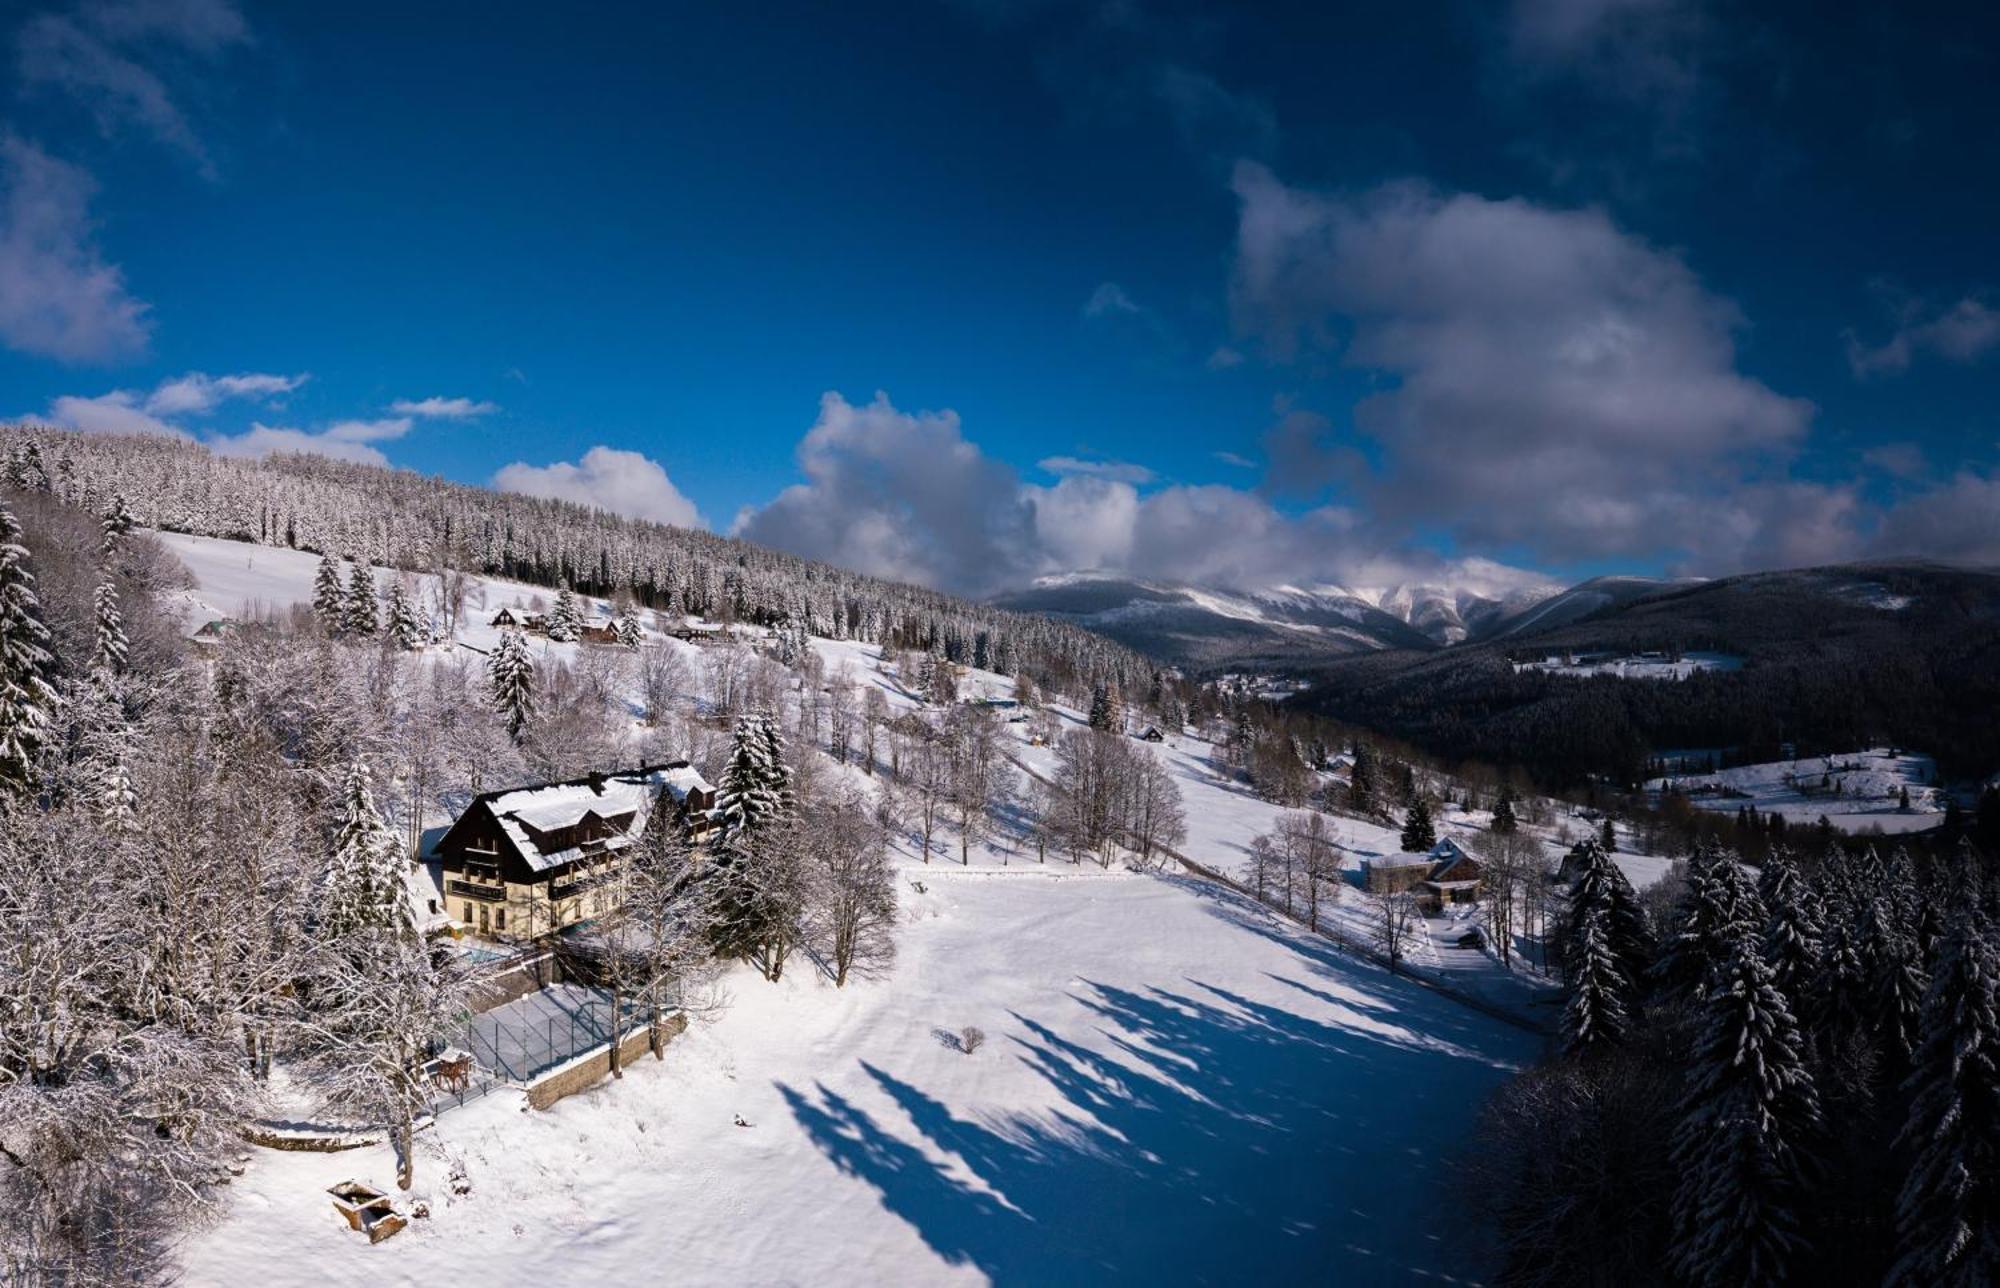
[1896, 984]
[1599, 883]
[363, 887]
[116, 523]
[28, 698]
[1504, 822]
[629, 632]
[1597, 1012]
[510, 682]
[755, 785]
[1719, 906]
[1747, 1121]
[565, 619]
[1794, 930]
[1948, 1216]
[329, 598]
[405, 627]
[1419, 833]
[110, 648]
[360, 615]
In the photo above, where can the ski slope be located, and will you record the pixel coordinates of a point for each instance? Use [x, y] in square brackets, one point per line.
[1177, 1086]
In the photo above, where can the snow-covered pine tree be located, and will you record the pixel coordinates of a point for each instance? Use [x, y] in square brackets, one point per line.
[1948, 1216]
[360, 616]
[510, 682]
[117, 798]
[751, 793]
[1504, 821]
[1597, 882]
[774, 756]
[1896, 984]
[1419, 833]
[1746, 1124]
[363, 887]
[406, 628]
[116, 523]
[110, 645]
[1597, 1012]
[630, 634]
[1106, 710]
[1794, 929]
[28, 698]
[329, 597]
[1719, 906]
[565, 619]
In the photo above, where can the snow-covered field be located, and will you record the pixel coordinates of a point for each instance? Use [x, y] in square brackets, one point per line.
[1647, 666]
[1854, 792]
[1177, 1086]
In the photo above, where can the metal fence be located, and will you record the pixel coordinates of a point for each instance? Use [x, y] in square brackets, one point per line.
[551, 1026]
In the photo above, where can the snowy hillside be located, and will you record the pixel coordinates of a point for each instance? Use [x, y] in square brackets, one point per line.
[1176, 1084]
[1852, 792]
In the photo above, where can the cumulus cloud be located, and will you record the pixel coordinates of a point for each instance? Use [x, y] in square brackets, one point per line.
[262, 440]
[113, 59]
[161, 411]
[1557, 384]
[442, 408]
[1963, 332]
[908, 496]
[608, 478]
[899, 495]
[58, 297]
[1958, 522]
[1119, 471]
[198, 392]
[119, 412]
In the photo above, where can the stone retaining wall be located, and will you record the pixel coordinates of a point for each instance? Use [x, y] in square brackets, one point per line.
[587, 1072]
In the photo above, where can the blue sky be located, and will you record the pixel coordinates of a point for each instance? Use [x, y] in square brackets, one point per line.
[1452, 292]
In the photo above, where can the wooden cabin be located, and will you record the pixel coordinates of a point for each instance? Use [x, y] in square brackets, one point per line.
[528, 861]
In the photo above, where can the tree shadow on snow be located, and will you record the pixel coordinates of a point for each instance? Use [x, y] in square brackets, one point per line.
[1215, 1139]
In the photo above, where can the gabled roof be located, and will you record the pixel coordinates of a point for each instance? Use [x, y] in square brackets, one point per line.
[535, 819]
[1460, 869]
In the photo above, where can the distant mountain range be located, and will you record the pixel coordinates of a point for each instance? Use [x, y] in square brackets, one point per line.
[1292, 629]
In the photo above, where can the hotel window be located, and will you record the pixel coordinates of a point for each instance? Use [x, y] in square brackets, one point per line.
[499, 918]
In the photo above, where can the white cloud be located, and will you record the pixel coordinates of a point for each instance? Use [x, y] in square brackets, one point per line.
[127, 411]
[608, 478]
[1119, 471]
[199, 392]
[1110, 300]
[1558, 384]
[58, 297]
[118, 412]
[1962, 333]
[442, 408]
[907, 496]
[110, 59]
[1224, 357]
[1237, 459]
[262, 440]
[1958, 522]
[368, 431]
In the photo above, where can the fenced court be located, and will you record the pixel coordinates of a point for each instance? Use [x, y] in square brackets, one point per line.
[546, 1028]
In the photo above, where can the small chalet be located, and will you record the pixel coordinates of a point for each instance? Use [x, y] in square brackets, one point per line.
[1454, 878]
[505, 617]
[1151, 733]
[1446, 862]
[528, 861]
[213, 632]
[598, 630]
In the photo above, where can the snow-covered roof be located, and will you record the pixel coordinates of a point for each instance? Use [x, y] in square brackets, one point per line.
[528, 815]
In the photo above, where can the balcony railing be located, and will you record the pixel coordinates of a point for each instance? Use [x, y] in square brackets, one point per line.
[484, 894]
